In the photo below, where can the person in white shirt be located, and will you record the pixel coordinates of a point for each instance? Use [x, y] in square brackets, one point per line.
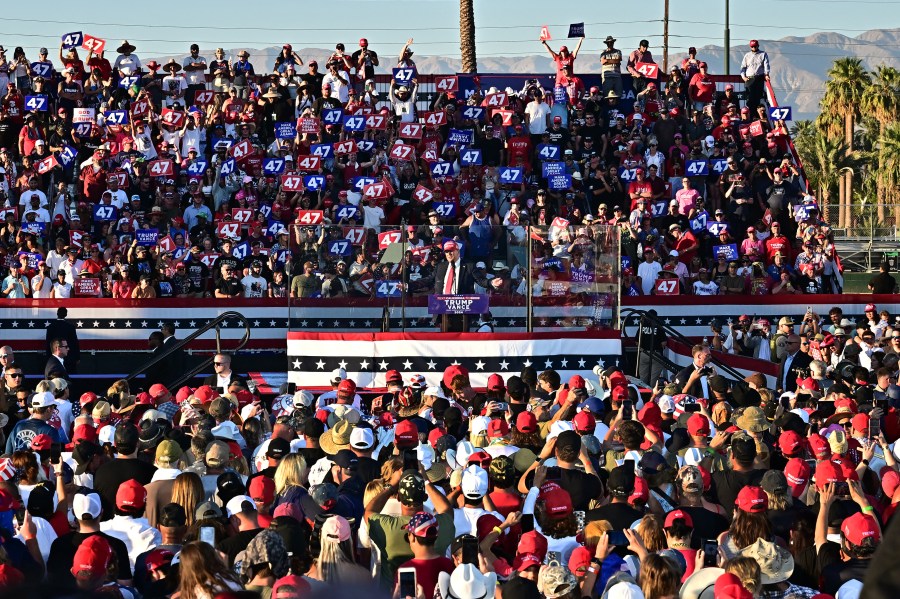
[373, 215]
[474, 487]
[648, 271]
[42, 282]
[143, 143]
[173, 85]
[60, 389]
[254, 283]
[119, 197]
[195, 70]
[62, 289]
[32, 192]
[40, 214]
[538, 113]
[129, 523]
[127, 63]
[705, 286]
[72, 266]
[339, 81]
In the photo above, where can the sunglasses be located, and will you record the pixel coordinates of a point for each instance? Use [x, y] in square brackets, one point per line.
[16, 375]
[218, 363]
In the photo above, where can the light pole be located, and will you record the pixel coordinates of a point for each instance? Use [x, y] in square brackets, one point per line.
[727, 41]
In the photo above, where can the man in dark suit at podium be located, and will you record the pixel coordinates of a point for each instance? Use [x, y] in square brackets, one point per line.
[64, 329]
[452, 277]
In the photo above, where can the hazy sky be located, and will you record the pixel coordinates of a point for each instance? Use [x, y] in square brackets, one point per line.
[504, 27]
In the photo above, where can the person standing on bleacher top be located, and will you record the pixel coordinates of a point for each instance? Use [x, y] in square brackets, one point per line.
[755, 72]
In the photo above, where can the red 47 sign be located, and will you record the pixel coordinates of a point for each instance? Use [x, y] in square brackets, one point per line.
[228, 229]
[309, 163]
[94, 44]
[376, 191]
[410, 130]
[310, 217]
[46, 165]
[666, 287]
[387, 238]
[435, 119]
[241, 215]
[140, 108]
[203, 98]
[241, 150]
[291, 183]
[356, 235]
[75, 238]
[506, 115]
[376, 121]
[209, 258]
[345, 147]
[650, 70]
[166, 244]
[160, 168]
[756, 129]
[496, 99]
[422, 194]
[172, 117]
[403, 152]
[447, 84]
[121, 178]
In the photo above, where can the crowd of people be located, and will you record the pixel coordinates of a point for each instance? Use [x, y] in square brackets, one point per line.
[535, 486]
[218, 177]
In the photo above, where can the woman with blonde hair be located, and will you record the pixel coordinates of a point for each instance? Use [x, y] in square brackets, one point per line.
[336, 564]
[203, 573]
[658, 577]
[748, 571]
[187, 491]
[650, 529]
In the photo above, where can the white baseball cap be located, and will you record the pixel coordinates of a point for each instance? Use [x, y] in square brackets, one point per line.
[558, 427]
[474, 482]
[666, 404]
[86, 503]
[362, 438]
[237, 505]
[303, 399]
[434, 391]
[338, 375]
[319, 471]
[43, 400]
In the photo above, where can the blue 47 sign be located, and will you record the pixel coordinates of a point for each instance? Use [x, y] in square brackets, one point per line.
[696, 168]
[36, 103]
[388, 289]
[780, 113]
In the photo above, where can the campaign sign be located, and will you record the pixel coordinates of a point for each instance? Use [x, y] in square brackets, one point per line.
[354, 123]
[241, 250]
[344, 147]
[457, 304]
[473, 113]
[340, 247]
[75, 238]
[86, 286]
[42, 69]
[442, 168]
[548, 152]
[510, 175]
[718, 165]
[285, 130]
[36, 103]
[666, 287]
[241, 215]
[116, 117]
[83, 129]
[314, 182]
[273, 166]
[365, 145]
[227, 167]
[422, 194]
[659, 208]
[126, 82]
[545, 34]
[309, 125]
[355, 234]
[166, 244]
[403, 152]
[105, 212]
[148, 237]
[404, 76]
[410, 130]
[445, 209]
[552, 169]
[310, 217]
[780, 113]
[470, 157]
[388, 289]
[346, 212]
[576, 30]
[376, 191]
[332, 116]
[172, 117]
[627, 175]
[308, 164]
[560, 182]
[729, 250]
[378, 122]
[650, 70]
[756, 129]
[358, 183]
[160, 168]
[321, 150]
[93, 44]
[83, 115]
[698, 224]
[461, 136]
[448, 83]
[386, 238]
[46, 165]
[715, 228]
[696, 168]
[197, 167]
[71, 40]
[226, 230]
[34, 229]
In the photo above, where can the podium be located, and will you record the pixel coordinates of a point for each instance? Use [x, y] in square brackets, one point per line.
[455, 309]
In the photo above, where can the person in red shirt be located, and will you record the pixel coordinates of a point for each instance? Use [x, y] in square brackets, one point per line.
[701, 88]
[98, 61]
[563, 59]
[640, 188]
[574, 85]
[684, 242]
[518, 148]
[93, 179]
[503, 477]
[777, 243]
[14, 104]
[422, 533]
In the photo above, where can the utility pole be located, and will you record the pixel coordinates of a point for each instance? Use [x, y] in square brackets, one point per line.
[665, 68]
[727, 41]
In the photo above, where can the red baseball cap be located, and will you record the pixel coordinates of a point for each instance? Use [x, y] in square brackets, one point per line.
[890, 481]
[131, 494]
[524, 561]
[797, 473]
[584, 422]
[435, 434]
[454, 370]
[828, 472]
[580, 561]
[870, 308]
[347, 386]
[262, 489]
[41, 442]
[92, 557]
[87, 397]
[526, 423]
[557, 501]
[183, 394]
[577, 382]
[393, 376]
[84, 432]
[205, 394]
[790, 443]
[860, 423]
[619, 393]
[495, 383]
[819, 446]
[859, 527]
[406, 435]
[641, 492]
[157, 391]
[158, 558]
[728, 586]
[678, 514]
[752, 500]
[698, 425]
[497, 428]
[534, 543]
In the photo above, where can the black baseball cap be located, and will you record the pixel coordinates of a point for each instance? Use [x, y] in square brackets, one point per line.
[127, 435]
[173, 516]
[621, 480]
[278, 448]
[346, 459]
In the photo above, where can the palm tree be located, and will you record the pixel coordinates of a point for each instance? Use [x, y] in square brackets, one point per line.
[888, 173]
[825, 161]
[467, 36]
[844, 91]
[882, 103]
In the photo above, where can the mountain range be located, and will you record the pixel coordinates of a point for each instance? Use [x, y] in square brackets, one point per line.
[799, 64]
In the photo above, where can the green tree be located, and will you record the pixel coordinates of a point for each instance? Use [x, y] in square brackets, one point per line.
[825, 161]
[888, 172]
[881, 103]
